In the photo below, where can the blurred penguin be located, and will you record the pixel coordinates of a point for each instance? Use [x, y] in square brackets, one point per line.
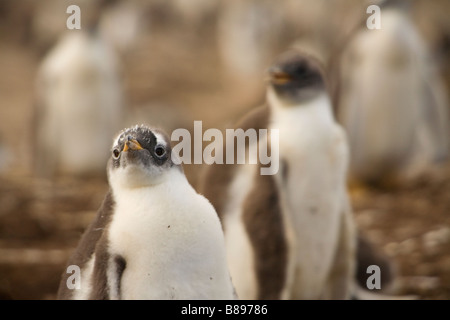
[249, 34]
[290, 235]
[194, 13]
[79, 106]
[122, 25]
[391, 100]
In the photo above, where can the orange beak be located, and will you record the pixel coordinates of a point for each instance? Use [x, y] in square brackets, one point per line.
[280, 77]
[132, 145]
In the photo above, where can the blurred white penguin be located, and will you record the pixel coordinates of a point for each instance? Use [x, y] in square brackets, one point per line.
[391, 100]
[79, 106]
[249, 36]
[121, 24]
[193, 12]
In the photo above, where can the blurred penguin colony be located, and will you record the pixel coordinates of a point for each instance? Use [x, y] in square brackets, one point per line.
[388, 84]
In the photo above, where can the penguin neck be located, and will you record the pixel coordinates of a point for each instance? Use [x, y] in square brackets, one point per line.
[171, 181]
[316, 111]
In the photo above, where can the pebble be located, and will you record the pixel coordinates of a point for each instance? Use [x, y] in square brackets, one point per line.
[33, 256]
[407, 246]
[368, 217]
[391, 249]
[406, 231]
[425, 269]
[432, 240]
[422, 283]
[376, 236]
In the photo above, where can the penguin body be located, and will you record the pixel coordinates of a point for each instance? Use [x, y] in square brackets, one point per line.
[314, 153]
[79, 99]
[290, 235]
[154, 237]
[392, 102]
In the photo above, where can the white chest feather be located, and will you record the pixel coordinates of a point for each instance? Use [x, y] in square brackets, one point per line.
[313, 156]
[172, 242]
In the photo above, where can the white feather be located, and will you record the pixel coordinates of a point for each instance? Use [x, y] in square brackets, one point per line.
[171, 239]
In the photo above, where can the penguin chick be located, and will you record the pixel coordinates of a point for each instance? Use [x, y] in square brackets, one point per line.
[392, 101]
[290, 235]
[79, 98]
[154, 237]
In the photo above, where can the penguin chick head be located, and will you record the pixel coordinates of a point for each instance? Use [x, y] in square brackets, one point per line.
[296, 77]
[140, 157]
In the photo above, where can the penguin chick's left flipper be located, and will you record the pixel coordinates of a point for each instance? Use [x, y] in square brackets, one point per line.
[85, 249]
[263, 221]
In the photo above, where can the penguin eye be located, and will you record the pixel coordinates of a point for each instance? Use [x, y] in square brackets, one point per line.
[116, 153]
[300, 70]
[160, 151]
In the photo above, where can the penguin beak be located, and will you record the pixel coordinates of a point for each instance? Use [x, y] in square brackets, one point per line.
[278, 76]
[132, 144]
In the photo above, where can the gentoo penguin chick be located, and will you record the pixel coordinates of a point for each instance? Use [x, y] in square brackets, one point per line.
[391, 100]
[290, 235]
[78, 106]
[154, 237]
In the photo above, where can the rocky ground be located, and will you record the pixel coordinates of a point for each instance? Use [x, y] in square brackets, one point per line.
[41, 222]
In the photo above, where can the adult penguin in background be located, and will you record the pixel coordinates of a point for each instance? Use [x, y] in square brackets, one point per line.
[391, 100]
[290, 235]
[154, 236]
[79, 106]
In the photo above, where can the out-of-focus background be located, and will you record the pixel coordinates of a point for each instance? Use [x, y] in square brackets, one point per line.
[65, 93]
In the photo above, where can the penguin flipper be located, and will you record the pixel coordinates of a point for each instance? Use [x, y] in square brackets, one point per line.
[87, 247]
[264, 224]
[107, 274]
[216, 177]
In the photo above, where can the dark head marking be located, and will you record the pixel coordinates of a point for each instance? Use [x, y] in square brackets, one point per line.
[296, 76]
[141, 145]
